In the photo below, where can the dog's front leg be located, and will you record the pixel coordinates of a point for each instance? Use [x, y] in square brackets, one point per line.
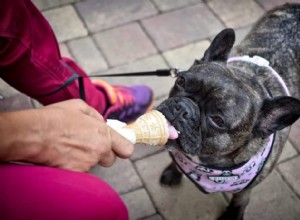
[237, 206]
[171, 175]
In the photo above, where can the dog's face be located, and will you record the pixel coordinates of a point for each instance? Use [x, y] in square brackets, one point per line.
[210, 107]
[218, 109]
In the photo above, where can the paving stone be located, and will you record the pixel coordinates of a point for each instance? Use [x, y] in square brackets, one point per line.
[167, 5]
[12, 100]
[160, 85]
[64, 51]
[237, 13]
[132, 45]
[143, 150]
[267, 4]
[46, 4]
[139, 204]
[88, 56]
[294, 135]
[36, 104]
[181, 202]
[287, 152]
[241, 33]
[15, 102]
[99, 15]
[290, 171]
[6, 90]
[117, 174]
[184, 57]
[160, 100]
[273, 199]
[153, 217]
[176, 28]
[65, 23]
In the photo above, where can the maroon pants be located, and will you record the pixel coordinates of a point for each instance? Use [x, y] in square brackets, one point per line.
[30, 192]
[30, 61]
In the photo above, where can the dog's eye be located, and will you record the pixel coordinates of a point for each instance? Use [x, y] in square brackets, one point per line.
[217, 121]
[180, 81]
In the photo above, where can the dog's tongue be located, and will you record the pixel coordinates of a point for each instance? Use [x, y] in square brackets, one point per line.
[173, 133]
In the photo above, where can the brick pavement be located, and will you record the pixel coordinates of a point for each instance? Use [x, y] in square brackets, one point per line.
[130, 35]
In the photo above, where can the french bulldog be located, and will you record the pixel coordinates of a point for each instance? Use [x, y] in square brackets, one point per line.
[235, 104]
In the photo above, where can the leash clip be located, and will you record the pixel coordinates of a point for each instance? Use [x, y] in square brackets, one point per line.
[174, 72]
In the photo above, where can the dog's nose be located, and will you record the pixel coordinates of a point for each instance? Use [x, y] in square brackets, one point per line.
[185, 109]
[180, 110]
[177, 108]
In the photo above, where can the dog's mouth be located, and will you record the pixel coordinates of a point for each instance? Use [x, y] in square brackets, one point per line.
[173, 133]
[183, 116]
[177, 141]
[173, 140]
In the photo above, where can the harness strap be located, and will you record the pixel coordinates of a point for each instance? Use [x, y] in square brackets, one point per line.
[227, 179]
[260, 61]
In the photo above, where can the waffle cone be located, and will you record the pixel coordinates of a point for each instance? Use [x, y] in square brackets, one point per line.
[151, 128]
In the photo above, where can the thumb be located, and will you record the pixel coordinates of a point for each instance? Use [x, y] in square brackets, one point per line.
[122, 147]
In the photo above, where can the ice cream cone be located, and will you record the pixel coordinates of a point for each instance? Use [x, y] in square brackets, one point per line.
[151, 128]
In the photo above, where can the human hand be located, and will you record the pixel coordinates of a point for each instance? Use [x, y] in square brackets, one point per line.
[74, 136]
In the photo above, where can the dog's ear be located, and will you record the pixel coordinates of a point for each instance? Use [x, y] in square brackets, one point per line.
[276, 114]
[220, 47]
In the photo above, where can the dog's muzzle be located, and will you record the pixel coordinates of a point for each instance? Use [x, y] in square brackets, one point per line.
[184, 115]
[179, 109]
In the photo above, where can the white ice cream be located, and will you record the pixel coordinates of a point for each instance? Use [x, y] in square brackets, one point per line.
[119, 127]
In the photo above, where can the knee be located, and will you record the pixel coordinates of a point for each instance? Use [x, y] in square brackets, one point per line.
[49, 193]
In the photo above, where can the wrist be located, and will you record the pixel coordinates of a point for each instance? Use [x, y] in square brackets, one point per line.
[20, 135]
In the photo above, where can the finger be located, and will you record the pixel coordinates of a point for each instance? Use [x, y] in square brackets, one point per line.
[88, 110]
[108, 159]
[122, 147]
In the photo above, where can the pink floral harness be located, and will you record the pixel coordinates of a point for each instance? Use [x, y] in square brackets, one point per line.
[233, 179]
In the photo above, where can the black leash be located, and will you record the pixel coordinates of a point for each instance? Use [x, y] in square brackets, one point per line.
[173, 72]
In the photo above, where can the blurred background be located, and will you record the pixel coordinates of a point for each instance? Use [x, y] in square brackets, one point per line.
[111, 36]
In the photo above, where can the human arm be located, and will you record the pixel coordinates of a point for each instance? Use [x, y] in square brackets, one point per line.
[70, 135]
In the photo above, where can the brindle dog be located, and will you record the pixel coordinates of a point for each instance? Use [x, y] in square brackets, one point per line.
[225, 112]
